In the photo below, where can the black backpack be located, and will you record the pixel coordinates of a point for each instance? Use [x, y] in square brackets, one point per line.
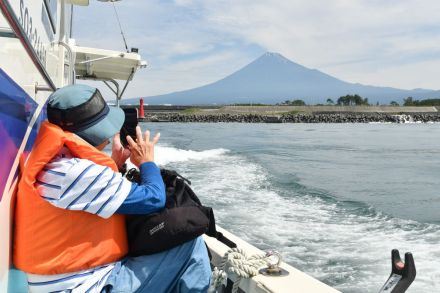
[184, 218]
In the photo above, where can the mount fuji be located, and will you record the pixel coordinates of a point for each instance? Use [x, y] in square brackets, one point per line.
[272, 78]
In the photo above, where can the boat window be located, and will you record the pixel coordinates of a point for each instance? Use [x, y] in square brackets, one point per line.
[51, 8]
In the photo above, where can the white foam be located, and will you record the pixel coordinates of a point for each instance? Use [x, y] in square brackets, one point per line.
[165, 155]
[350, 251]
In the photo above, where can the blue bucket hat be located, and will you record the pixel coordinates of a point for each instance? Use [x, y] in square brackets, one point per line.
[82, 110]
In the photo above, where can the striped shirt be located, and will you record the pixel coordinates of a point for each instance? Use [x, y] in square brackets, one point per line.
[80, 184]
[90, 281]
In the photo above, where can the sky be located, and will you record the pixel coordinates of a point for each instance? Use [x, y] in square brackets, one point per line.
[190, 43]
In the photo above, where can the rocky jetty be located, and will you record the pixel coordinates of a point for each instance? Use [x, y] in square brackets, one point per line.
[295, 118]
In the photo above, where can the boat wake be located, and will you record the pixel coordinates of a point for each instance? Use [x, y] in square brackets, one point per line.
[344, 244]
[165, 154]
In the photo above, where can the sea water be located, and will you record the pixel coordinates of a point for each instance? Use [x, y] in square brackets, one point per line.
[334, 199]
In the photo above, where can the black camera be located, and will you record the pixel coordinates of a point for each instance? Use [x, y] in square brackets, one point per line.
[129, 126]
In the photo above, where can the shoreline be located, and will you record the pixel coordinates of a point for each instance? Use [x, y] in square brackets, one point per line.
[293, 118]
[289, 114]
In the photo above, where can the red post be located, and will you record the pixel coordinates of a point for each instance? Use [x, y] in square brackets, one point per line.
[141, 108]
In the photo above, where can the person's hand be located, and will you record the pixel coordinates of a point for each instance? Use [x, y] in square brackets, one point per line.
[143, 149]
[119, 153]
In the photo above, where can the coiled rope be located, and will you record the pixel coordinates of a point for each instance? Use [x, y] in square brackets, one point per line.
[235, 261]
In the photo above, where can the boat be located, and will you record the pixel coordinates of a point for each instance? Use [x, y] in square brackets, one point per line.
[39, 55]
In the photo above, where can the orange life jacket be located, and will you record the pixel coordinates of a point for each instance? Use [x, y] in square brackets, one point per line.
[50, 240]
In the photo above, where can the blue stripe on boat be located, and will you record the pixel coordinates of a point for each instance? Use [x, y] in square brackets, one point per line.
[15, 115]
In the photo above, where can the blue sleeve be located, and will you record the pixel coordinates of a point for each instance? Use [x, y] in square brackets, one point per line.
[148, 196]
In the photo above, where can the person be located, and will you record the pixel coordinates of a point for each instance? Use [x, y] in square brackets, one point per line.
[69, 220]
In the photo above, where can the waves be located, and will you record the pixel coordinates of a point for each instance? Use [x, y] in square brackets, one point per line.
[345, 244]
[165, 155]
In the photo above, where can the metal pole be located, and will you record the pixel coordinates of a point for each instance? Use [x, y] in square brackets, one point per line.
[71, 63]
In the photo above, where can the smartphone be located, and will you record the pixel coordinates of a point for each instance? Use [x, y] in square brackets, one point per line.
[129, 126]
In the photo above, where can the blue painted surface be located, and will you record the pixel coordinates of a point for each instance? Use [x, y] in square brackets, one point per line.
[33, 135]
[16, 111]
[17, 282]
[17, 279]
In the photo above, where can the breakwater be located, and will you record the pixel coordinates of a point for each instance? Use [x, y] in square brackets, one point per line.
[295, 118]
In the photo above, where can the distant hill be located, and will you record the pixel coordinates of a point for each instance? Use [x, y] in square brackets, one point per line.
[272, 78]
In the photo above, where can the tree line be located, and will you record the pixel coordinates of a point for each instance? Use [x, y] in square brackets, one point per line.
[347, 100]
[428, 102]
[356, 100]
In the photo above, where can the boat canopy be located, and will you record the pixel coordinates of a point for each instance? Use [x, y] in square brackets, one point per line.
[86, 2]
[100, 64]
[79, 2]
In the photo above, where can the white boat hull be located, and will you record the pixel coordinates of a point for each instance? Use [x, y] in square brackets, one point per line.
[296, 281]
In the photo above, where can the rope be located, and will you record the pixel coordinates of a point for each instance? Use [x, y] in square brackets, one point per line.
[235, 261]
[120, 27]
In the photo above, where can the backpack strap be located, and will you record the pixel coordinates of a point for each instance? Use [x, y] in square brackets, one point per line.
[226, 241]
[212, 231]
[169, 175]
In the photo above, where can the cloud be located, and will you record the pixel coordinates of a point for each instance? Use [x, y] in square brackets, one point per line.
[193, 42]
[345, 38]
[182, 51]
[186, 74]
